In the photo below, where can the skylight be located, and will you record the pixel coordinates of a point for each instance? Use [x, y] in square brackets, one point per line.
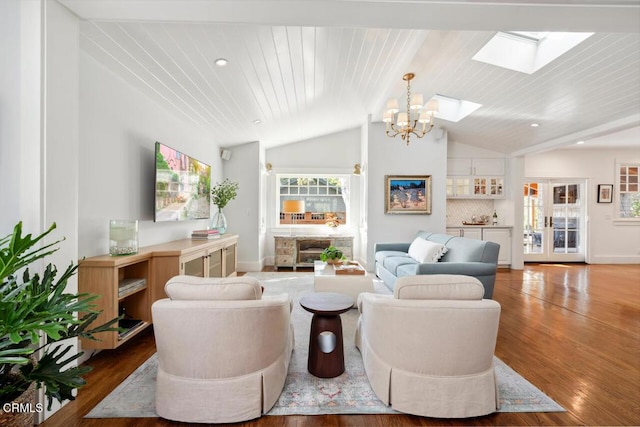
[454, 110]
[527, 51]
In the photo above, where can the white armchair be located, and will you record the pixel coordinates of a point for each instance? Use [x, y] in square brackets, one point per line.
[223, 349]
[428, 349]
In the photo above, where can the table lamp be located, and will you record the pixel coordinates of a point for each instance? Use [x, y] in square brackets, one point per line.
[292, 207]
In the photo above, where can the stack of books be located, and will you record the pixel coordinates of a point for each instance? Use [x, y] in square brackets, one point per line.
[129, 326]
[205, 234]
[130, 285]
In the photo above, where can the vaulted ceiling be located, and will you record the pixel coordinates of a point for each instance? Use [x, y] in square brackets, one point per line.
[307, 68]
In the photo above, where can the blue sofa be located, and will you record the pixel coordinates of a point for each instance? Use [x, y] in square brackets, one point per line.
[469, 257]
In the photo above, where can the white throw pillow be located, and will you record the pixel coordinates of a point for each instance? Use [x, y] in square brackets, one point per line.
[425, 251]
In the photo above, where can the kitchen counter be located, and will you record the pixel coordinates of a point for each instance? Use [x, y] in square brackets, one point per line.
[480, 226]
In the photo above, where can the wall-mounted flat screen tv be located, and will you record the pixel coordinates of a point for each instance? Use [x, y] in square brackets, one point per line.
[183, 186]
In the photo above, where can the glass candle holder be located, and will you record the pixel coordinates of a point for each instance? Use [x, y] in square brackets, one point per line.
[123, 237]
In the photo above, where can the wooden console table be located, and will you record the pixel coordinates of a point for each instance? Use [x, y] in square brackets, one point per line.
[302, 251]
[148, 271]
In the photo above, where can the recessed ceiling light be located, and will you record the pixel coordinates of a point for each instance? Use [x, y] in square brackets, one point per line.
[257, 121]
[579, 142]
[221, 62]
[535, 125]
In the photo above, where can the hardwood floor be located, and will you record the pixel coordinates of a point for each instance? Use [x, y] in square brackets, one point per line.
[572, 330]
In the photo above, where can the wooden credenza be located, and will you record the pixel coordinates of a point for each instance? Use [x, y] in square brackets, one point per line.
[155, 265]
[302, 251]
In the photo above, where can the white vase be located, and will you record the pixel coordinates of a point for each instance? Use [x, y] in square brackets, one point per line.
[219, 222]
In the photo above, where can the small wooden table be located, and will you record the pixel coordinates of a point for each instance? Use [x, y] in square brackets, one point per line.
[326, 351]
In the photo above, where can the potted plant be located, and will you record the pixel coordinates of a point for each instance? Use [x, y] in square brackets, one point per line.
[35, 306]
[635, 206]
[221, 194]
[332, 255]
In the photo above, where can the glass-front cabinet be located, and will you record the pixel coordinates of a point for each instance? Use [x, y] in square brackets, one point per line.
[215, 261]
[475, 178]
[193, 265]
[230, 260]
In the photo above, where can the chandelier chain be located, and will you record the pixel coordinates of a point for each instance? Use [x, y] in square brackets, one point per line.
[409, 127]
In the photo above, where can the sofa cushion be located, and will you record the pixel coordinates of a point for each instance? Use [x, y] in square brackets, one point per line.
[462, 249]
[391, 263]
[381, 255]
[190, 288]
[439, 287]
[424, 251]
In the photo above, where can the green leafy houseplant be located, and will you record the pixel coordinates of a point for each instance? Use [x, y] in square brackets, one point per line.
[635, 207]
[224, 192]
[332, 255]
[35, 305]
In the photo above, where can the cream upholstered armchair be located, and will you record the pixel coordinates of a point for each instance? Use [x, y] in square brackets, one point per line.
[223, 349]
[428, 349]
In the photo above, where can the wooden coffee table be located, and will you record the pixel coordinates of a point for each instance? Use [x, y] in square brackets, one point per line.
[326, 350]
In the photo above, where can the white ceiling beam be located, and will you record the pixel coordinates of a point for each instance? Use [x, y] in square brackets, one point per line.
[596, 16]
[586, 134]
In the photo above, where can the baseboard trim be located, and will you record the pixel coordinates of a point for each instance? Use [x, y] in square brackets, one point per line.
[251, 266]
[615, 259]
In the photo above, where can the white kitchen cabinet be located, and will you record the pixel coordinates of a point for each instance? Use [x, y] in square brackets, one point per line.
[475, 178]
[457, 166]
[487, 167]
[469, 233]
[458, 186]
[501, 236]
[466, 166]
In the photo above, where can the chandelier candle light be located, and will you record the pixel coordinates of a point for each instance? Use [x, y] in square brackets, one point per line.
[407, 123]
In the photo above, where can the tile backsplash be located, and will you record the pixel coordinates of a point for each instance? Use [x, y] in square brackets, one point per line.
[459, 210]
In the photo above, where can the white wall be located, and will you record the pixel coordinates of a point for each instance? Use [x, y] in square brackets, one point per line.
[387, 156]
[609, 241]
[10, 49]
[118, 129]
[20, 118]
[243, 213]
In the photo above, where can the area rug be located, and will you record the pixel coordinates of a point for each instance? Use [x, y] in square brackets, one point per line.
[305, 394]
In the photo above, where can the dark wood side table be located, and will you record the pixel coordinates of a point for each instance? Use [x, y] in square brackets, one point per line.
[326, 351]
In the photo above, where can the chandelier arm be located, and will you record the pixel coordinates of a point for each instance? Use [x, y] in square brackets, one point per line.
[420, 134]
[393, 128]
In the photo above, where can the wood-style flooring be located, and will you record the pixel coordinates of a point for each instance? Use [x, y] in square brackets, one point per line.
[572, 330]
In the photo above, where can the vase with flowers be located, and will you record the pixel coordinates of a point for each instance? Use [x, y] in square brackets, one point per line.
[221, 194]
[332, 221]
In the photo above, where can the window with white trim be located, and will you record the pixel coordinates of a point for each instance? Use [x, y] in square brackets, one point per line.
[629, 190]
[325, 198]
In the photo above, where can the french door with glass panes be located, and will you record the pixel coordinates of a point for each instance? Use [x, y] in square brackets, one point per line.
[554, 220]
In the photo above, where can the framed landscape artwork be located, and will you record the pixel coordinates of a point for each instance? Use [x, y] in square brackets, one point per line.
[605, 193]
[407, 194]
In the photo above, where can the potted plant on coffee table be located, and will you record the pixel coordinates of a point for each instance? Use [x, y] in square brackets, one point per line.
[33, 307]
[332, 255]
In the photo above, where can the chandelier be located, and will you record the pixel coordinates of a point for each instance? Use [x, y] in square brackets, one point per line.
[417, 113]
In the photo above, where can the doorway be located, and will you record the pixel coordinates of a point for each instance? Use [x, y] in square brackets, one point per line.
[554, 220]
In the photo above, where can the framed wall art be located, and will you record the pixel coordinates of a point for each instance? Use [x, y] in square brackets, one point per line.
[605, 193]
[407, 194]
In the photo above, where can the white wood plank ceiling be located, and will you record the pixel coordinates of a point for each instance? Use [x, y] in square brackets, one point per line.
[305, 80]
